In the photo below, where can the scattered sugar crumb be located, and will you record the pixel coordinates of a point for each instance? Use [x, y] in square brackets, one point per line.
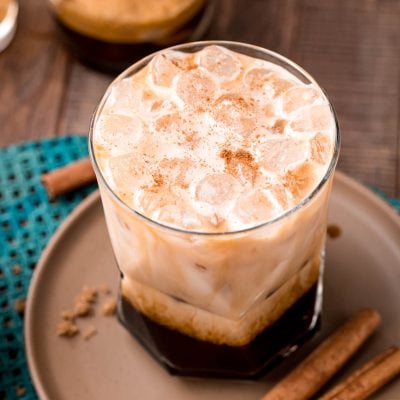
[67, 328]
[20, 390]
[16, 269]
[68, 315]
[89, 332]
[109, 307]
[104, 288]
[88, 294]
[19, 305]
[82, 308]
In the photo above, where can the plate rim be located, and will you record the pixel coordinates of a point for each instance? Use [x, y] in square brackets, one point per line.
[86, 204]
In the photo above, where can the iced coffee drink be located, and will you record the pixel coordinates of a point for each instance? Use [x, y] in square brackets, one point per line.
[215, 162]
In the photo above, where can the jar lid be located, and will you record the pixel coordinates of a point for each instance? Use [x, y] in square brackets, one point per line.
[126, 21]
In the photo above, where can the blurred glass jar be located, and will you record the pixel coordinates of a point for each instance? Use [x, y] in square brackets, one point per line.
[8, 21]
[111, 35]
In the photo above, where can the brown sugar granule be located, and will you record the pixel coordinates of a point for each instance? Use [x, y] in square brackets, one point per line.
[109, 307]
[89, 332]
[82, 308]
[104, 289]
[83, 303]
[19, 305]
[240, 161]
[68, 315]
[334, 231]
[279, 126]
[88, 294]
[20, 390]
[16, 269]
[67, 328]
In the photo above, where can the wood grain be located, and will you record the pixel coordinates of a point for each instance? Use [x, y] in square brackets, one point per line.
[269, 24]
[85, 89]
[33, 71]
[352, 47]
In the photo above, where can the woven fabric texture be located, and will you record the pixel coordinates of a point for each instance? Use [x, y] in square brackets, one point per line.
[27, 221]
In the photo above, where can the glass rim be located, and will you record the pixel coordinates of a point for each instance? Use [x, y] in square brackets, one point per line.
[229, 44]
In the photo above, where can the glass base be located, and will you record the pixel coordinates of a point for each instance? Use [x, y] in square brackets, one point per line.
[183, 355]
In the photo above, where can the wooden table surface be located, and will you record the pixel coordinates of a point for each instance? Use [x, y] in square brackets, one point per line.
[351, 47]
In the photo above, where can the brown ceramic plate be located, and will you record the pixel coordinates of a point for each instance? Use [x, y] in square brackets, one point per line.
[363, 269]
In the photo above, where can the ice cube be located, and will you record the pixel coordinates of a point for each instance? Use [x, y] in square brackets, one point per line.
[300, 181]
[129, 95]
[253, 207]
[173, 128]
[279, 154]
[241, 164]
[236, 113]
[129, 172]
[279, 84]
[119, 133]
[279, 194]
[266, 82]
[216, 189]
[256, 78]
[321, 148]
[299, 97]
[177, 171]
[312, 119]
[196, 88]
[163, 70]
[223, 66]
[179, 216]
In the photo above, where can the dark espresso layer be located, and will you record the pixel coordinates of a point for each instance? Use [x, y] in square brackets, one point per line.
[184, 355]
[115, 57]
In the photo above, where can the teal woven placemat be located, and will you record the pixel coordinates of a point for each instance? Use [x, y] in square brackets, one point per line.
[27, 221]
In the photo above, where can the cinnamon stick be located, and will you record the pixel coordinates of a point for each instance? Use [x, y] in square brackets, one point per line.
[312, 373]
[70, 177]
[368, 379]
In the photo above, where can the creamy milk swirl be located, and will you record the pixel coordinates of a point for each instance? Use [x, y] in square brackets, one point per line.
[213, 141]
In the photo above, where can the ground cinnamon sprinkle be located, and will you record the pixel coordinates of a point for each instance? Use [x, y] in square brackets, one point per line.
[279, 126]
[240, 160]
[158, 179]
[298, 180]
